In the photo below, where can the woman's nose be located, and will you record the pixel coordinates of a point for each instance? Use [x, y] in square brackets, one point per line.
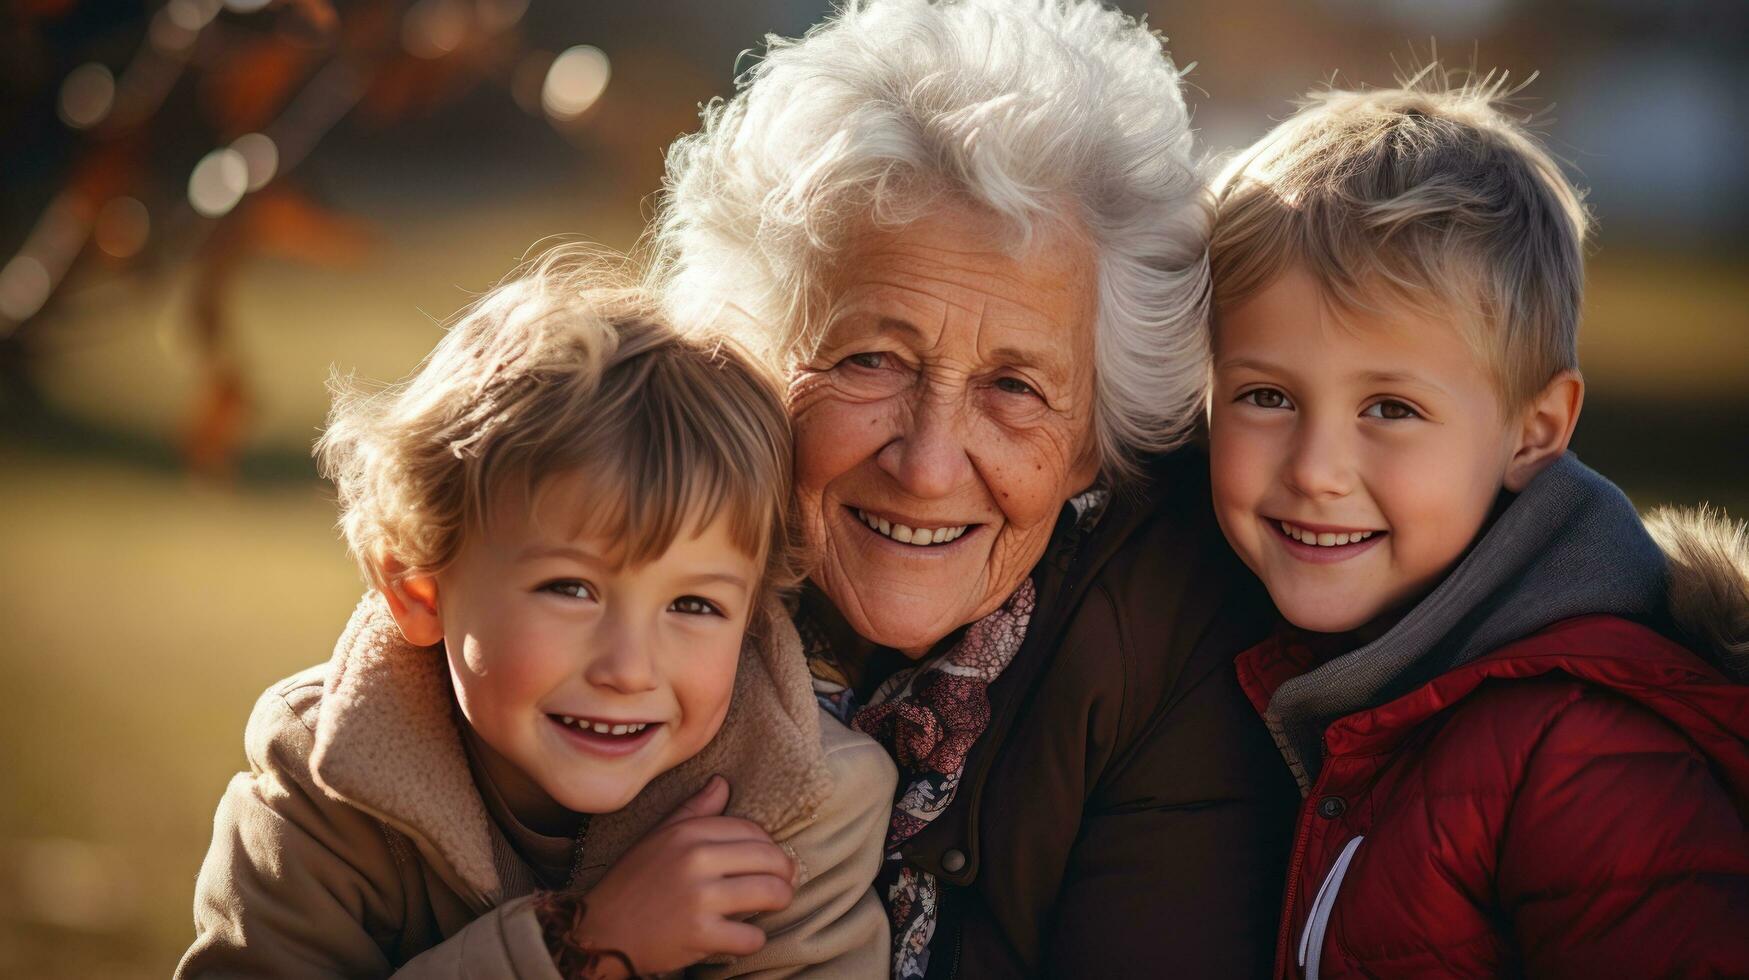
[928, 458]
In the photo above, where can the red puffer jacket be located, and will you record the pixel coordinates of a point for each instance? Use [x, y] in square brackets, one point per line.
[1574, 804]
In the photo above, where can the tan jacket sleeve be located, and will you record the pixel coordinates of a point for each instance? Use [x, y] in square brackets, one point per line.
[298, 884]
[835, 926]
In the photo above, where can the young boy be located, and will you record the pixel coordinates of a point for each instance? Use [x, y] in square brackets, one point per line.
[1512, 765]
[572, 659]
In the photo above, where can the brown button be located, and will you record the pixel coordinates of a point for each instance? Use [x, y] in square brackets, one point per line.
[953, 862]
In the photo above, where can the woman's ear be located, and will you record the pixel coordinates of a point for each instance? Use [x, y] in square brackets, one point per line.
[1546, 428]
[412, 601]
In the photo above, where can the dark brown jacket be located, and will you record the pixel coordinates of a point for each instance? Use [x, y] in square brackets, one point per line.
[1125, 814]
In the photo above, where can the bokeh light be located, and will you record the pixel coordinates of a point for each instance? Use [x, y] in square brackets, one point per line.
[495, 16]
[24, 287]
[218, 182]
[123, 225]
[87, 96]
[191, 15]
[574, 81]
[261, 155]
[434, 28]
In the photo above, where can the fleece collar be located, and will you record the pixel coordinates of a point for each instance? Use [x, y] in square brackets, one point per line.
[387, 743]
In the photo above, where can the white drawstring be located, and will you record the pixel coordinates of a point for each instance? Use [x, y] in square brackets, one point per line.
[1312, 937]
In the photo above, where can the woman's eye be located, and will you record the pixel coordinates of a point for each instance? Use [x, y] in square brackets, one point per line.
[695, 606]
[569, 587]
[1390, 409]
[871, 360]
[1015, 386]
[1265, 398]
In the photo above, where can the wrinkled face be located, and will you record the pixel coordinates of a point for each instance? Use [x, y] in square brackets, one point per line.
[590, 677]
[944, 421]
[1354, 458]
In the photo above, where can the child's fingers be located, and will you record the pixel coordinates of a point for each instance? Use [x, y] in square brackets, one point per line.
[707, 802]
[746, 857]
[746, 895]
[734, 938]
[723, 830]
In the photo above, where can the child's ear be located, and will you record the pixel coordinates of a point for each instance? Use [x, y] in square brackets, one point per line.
[412, 600]
[1546, 428]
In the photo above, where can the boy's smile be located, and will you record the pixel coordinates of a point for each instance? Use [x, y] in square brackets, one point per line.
[1354, 456]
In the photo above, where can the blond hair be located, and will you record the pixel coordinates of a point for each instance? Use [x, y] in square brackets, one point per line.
[1428, 194]
[560, 370]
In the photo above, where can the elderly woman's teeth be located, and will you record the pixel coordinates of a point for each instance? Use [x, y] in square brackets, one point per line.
[911, 535]
[1323, 539]
[603, 727]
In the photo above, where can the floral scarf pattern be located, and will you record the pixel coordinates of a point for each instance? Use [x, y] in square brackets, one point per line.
[928, 717]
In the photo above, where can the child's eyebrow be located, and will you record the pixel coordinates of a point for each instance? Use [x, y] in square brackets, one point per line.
[534, 552]
[727, 578]
[1249, 363]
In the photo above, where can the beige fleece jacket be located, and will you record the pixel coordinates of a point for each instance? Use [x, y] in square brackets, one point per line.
[358, 844]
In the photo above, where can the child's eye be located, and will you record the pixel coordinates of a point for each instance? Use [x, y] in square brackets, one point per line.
[1390, 409]
[1266, 398]
[695, 606]
[574, 588]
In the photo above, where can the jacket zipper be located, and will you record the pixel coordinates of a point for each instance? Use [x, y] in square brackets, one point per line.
[953, 968]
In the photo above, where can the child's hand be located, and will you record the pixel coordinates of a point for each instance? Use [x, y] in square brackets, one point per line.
[679, 895]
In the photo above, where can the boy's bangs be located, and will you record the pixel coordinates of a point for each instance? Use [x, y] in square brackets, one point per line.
[664, 445]
[644, 509]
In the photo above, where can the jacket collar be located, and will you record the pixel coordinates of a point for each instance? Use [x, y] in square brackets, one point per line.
[1621, 656]
[1574, 550]
[386, 742]
[1571, 544]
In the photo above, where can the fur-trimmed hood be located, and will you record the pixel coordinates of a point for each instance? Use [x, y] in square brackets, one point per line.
[386, 742]
[1708, 556]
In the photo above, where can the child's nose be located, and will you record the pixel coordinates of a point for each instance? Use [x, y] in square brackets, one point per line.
[620, 659]
[1320, 465]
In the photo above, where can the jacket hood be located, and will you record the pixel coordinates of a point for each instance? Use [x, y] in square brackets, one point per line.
[1570, 545]
[386, 742]
[1708, 559]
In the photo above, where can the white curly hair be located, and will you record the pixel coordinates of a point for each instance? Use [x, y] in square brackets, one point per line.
[1034, 110]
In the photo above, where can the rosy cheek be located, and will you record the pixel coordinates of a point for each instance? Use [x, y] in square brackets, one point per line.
[703, 689]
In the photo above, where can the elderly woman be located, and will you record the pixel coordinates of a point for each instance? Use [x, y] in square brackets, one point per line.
[973, 235]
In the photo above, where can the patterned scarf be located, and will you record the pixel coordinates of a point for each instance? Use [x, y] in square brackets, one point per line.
[928, 717]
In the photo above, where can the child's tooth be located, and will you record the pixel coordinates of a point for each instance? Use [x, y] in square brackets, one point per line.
[602, 728]
[1326, 539]
[567, 719]
[619, 729]
[1341, 539]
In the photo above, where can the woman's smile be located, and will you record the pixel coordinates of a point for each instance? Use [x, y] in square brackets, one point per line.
[913, 531]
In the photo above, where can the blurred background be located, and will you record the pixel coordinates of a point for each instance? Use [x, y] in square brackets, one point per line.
[208, 203]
